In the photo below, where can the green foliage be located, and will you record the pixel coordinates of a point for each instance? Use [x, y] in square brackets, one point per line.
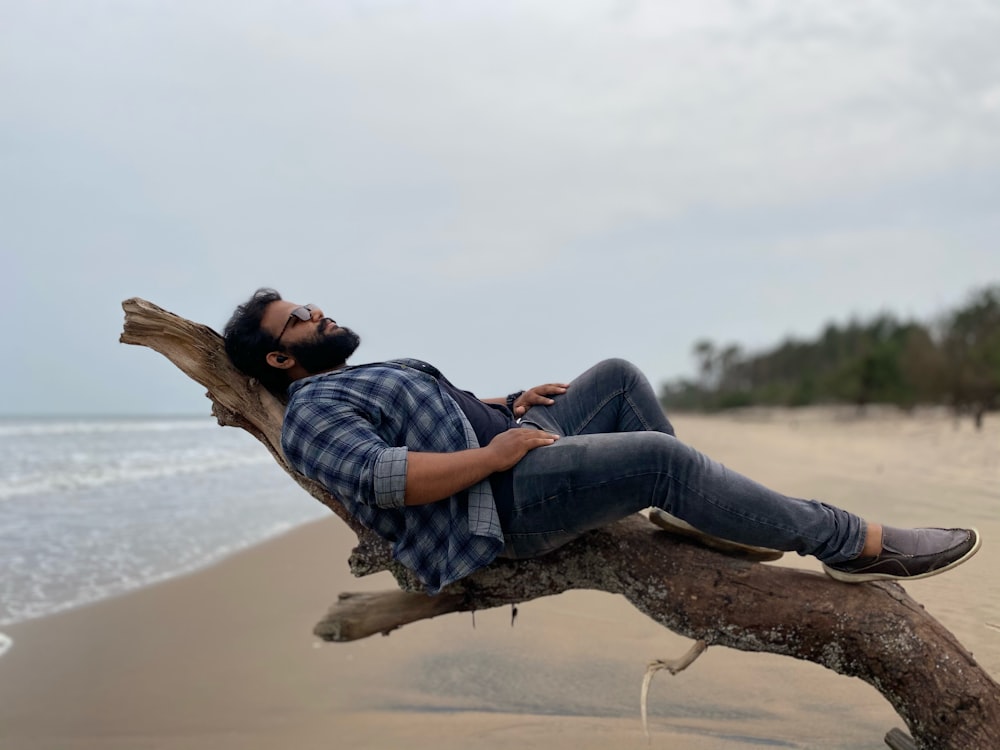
[972, 352]
[884, 361]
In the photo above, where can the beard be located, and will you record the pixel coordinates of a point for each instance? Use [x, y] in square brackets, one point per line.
[326, 352]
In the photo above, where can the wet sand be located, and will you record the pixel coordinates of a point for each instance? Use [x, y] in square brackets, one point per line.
[225, 658]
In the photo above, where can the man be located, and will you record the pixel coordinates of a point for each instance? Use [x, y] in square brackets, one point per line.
[453, 481]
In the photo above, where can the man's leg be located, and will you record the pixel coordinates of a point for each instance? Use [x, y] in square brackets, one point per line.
[584, 482]
[612, 396]
[587, 481]
[615, 396]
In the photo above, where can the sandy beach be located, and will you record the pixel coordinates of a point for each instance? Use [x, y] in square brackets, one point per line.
[225, 657]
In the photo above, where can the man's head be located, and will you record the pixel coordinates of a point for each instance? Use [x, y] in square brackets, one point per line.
[276, 341]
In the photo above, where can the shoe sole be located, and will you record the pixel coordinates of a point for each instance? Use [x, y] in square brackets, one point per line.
[676, 526]
[865, 577]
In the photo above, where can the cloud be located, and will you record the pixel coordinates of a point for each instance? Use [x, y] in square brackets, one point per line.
[549, 126]
[690, 162]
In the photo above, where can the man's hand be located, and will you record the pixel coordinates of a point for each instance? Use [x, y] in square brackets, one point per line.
[434, 476]
[538, 396]
[509, 447]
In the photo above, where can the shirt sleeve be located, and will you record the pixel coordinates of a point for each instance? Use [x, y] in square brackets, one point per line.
[337, 446]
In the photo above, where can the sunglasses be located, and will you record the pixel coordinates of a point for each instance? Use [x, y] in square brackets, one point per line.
[303, 313]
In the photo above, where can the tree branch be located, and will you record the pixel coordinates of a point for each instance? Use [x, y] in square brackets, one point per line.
[874, 631]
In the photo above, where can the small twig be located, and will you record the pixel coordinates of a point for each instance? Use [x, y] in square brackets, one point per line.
[671, 665]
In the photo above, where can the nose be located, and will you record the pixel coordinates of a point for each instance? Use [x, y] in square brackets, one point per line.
[316, 314]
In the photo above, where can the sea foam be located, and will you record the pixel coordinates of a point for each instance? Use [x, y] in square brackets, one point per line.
[95, 508]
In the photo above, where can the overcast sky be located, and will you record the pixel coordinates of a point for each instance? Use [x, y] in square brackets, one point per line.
[510, 190]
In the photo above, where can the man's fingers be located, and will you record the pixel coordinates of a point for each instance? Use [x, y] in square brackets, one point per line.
[545, 438]
[539, 442]
[550, 389]
[537, 398]
[537, 436]
[523, 435]
[540, 394]
[512, 445]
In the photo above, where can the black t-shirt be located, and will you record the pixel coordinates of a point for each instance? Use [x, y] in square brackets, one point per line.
[488, 421]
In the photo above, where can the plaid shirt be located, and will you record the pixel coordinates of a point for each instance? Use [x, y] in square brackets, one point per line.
[351, 430]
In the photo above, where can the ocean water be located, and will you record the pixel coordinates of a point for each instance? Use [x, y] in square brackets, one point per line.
[91, 508]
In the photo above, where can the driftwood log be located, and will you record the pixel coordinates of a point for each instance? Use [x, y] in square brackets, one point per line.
[872, 631]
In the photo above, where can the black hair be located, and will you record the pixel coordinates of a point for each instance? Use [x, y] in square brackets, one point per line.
[248, 345]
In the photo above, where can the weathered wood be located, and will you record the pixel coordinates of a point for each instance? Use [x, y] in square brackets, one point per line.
[872, 631]
[359, 615]
[673, 666]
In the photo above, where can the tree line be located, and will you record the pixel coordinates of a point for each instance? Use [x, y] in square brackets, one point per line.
[954, 361]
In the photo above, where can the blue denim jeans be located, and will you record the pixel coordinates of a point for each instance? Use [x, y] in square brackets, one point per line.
[617, 454]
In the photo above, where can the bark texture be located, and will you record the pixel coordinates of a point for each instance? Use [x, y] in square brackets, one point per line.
[872, 631]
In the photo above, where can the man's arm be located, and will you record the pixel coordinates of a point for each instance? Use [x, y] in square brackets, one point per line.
[434, 476]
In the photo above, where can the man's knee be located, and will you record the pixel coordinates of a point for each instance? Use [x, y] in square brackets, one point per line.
[619, 367]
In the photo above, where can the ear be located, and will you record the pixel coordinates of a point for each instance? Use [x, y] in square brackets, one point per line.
[280, 361]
